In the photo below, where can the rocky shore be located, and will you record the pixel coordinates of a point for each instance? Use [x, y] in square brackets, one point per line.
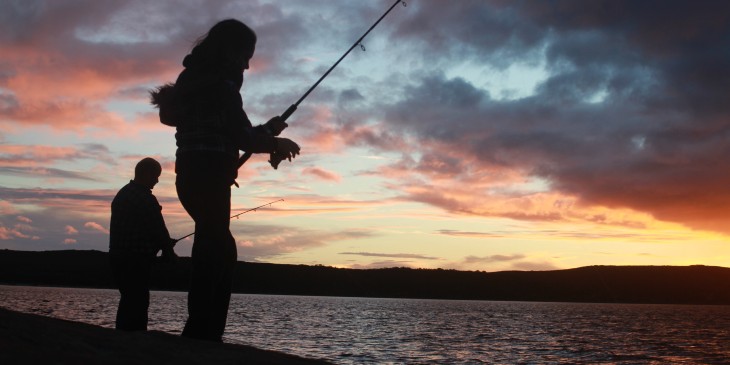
[33, 339]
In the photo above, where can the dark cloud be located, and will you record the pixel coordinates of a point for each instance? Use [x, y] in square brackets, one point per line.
[8, 104]
[469, 30]
[34, 160]
[633, 112]
[26, 194]
[47, 173]
[349, 96]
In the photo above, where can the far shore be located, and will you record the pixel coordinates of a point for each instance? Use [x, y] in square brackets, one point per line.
[696, 284]
[33, 339]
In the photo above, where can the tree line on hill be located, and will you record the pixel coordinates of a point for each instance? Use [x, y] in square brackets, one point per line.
[600, 284]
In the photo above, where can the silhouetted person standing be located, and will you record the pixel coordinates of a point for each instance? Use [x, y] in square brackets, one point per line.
[212, 128]
[137, 233]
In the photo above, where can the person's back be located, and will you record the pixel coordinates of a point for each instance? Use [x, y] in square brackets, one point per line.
[135, 221]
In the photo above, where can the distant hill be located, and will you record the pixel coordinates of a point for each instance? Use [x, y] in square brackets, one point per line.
[604, 284]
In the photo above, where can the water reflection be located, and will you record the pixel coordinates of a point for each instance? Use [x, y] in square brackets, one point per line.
[366, 330]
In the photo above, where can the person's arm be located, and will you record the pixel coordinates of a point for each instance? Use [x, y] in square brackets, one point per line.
[259, 139]
[158, 230]
[245, 135]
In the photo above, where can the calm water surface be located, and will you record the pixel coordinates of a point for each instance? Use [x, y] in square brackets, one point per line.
[412, 331]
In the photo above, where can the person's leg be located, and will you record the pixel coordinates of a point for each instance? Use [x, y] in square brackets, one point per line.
[121, 280]
[131, 274]
[193, 197]
[222, 293]
[207, 200]
[214, 255]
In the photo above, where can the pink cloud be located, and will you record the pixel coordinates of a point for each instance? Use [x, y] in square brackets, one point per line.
[322, 174]
[25, 155]
[68, 85]
[71, 230]
[5, 234]
[272, 241]
[80, 201]
[19, 234]
[69, 241]
[6, 208]
[41, 158]
[24, 219]
[96, 226]
[18, 231]
[84, 205]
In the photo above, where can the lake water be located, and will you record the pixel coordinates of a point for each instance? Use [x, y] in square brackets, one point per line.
[414, 331]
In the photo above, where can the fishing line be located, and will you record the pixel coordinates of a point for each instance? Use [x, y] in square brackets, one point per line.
[274, 159]
[235, 216]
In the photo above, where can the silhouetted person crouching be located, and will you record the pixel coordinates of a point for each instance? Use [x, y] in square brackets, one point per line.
[137, 233]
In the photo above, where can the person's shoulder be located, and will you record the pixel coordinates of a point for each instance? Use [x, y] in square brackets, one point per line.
[125, 188]
[133, 190]
[123, 195]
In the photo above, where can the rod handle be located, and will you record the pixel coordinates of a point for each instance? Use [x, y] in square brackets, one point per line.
[289, 111]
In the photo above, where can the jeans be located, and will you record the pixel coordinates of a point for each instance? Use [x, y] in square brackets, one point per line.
[204, 187]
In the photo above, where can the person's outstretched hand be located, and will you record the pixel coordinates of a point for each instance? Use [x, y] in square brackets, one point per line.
[275, 125]
[286, 149]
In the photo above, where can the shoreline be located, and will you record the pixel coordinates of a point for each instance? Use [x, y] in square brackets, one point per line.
[34, 339]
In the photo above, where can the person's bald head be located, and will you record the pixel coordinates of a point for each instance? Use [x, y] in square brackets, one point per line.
[147, 172]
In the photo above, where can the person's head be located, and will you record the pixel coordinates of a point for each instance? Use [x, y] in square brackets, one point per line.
[147, 172]
[229, 44]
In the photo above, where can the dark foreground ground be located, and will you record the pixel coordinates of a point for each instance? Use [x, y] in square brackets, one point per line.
[33, 339]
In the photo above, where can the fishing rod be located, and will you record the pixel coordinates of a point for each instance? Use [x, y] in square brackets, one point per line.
[274, 159]
[235, 216]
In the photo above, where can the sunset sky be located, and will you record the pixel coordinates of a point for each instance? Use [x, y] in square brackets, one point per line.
[471, 135]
